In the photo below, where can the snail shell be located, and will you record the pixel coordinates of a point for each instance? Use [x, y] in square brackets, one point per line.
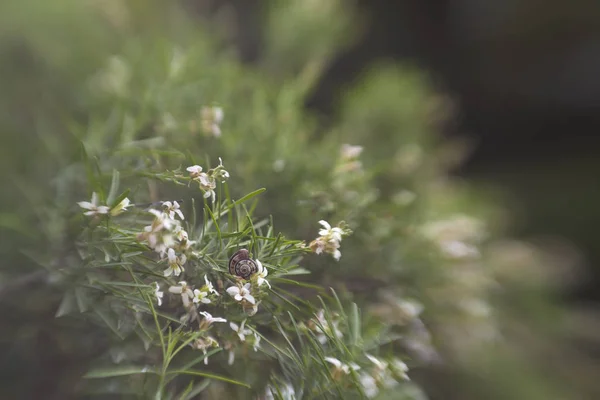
[240, 264]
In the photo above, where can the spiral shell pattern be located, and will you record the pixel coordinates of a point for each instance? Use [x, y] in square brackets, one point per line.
[240, 264]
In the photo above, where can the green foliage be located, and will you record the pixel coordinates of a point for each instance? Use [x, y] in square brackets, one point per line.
[416, 280]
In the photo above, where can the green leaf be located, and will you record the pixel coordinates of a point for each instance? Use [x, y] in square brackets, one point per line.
[193, 391]
[67, 305]
[119, 198]
[249, 196]
[114, 186]
[118, 371]
[208, 375]
[355, 325]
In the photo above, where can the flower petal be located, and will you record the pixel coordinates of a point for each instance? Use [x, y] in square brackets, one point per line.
[325, 224]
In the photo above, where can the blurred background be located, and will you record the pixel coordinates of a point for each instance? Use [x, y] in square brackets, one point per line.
[524, 78]
[522, 83]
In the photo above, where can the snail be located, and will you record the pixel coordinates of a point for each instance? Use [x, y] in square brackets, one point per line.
[240, 264]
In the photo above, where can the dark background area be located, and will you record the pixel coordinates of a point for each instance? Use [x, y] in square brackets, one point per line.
[525, 78]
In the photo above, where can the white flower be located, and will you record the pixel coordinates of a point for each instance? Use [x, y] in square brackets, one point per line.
[182, 237]
[350, 152]
[194, 170]
[158, 294]
[400, 368]
[209, 319]
[287, 392]
[158, 234]
[458, 250]
[171, 209]
[203, 344]
[256, 341]
[241, 293]
[175, 263]
[209, 286]
[331, 233]
[240, 330]
[121, 207]
[207, 185]
[328, 241]
[369, 385]
[380, 365]
[93, 207]
[211, 120]
[221, 172]
[325, 330]
[184, 290]
[262, 274]
[201, 296]
[231, 357]
[339, 366]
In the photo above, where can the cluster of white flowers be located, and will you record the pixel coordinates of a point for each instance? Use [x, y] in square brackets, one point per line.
[93, 209]
[329, 240]
[166, 236]
[207, 181]
[197, 296]
[211, 118]
[457, 237]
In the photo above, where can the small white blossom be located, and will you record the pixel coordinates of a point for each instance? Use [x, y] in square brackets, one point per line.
[240, 330]
[458, 250]
[328, 241]
[379, 364]
[369, 385]
[350, 152]
[184, 290]
[175, 263]
[207, 185]
[339, 366]
[328, 231]
[262, 274]
[209, 286]
[194, 170]
[211, 120]
[203, 344]
[287, 392]
[241, 293]
[220, 172]
[120, 208]
[182, 237]
[325, 330]
[209, 320]
[400, 368]
[171, 209]
[93, 207]
[158, 294]
[201, 296]
[159, 234]
[256, 341]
